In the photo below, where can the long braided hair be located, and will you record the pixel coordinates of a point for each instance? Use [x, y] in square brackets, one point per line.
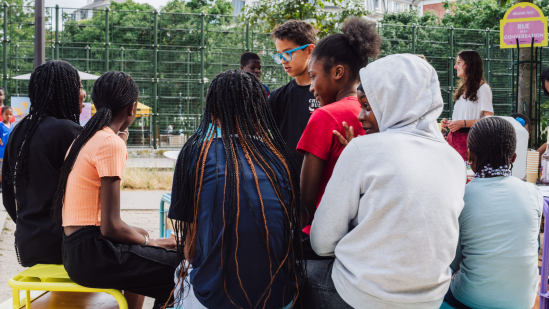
[54, 90]
[474, 76]
[493, 140]
[112, 92]
[239, 101]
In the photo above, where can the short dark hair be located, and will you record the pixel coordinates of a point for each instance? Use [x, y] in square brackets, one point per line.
[493, 140]
[297, 31]
[247, 57]
[5, 108]
[358, 42]
[2, 88]
[524, 117]
[545, 77]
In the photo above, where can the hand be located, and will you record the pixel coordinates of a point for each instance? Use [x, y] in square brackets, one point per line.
[167, 243]
[455, 125]
[444, 123]
[349, 133]
[140, 231]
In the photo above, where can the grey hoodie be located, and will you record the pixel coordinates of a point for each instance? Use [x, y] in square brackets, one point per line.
[390, 211]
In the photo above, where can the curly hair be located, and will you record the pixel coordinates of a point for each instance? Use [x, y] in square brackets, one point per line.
[297, 31]
[358, 42]
[493, 140]
[474, 76]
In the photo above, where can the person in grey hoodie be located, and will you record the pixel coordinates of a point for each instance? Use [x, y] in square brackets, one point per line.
[390, 212]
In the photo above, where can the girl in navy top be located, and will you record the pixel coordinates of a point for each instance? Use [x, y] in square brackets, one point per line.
[236, 199]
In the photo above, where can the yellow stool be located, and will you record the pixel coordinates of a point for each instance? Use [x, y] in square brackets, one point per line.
[44, 277]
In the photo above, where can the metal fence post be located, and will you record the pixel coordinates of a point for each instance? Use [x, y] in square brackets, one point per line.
[87, 67]
[5, 47]
[57, 32]
[247, 37]
[16, 69]
[155, 80]
[487, 65]
[121, 59]
[107, 39]
[451, 73]
[413, 38]
[202, 47]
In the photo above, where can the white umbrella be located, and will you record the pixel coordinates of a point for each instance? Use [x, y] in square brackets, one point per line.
[83, 76]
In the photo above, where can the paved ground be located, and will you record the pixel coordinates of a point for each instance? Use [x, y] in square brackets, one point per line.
[139, 208]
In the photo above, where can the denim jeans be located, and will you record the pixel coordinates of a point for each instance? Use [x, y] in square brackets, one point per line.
[452, 301]
[319, 291]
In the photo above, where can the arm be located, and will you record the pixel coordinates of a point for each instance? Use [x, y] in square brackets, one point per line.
[112, 226]
[311, 176]
[340, 202]
[455, 125]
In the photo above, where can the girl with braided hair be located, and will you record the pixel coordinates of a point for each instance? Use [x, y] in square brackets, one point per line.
[496, 263]
[473, 100]
[33, 158]
[235, 197]
[99, 249]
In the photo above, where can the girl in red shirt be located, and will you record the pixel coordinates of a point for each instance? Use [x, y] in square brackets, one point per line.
[334, 69]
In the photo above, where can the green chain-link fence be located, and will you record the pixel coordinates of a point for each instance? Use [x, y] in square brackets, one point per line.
[173, 56]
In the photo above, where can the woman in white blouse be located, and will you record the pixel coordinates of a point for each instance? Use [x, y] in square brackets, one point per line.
[473, 100]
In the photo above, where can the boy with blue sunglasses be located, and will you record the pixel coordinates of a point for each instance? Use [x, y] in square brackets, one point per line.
[293, 103]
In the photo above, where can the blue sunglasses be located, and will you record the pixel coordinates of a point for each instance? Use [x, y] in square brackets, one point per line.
[287, 55]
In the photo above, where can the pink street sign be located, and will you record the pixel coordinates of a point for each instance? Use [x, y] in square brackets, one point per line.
[524, 31]
[526, 12]
[523, 21]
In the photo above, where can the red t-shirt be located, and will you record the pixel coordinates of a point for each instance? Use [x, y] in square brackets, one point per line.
[319, 139]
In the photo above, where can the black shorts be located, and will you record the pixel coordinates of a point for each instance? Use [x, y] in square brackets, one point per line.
[94, 261]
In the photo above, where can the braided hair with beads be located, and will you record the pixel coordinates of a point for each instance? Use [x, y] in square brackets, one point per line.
[493, 141]
[239, 101]
[54, 90]
[112, 92]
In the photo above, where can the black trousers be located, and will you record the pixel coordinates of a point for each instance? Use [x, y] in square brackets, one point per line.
[94, 261]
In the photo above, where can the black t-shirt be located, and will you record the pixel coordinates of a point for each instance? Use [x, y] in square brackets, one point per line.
[292, 106]
[38, 239]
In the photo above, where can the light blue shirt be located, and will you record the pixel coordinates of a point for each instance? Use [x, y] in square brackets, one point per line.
[497, 255]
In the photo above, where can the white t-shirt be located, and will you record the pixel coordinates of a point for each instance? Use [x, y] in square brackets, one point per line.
[469, 110]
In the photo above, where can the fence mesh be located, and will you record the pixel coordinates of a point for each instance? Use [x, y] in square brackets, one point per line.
[174, 56]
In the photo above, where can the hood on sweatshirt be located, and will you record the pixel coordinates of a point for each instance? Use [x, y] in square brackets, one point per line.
[404, 93]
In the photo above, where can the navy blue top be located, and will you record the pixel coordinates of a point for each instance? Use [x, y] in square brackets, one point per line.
[253, 260]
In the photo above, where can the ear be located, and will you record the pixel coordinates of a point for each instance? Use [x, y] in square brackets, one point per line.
[338, 72]
[309, 50]
[132, 109]
[241, 67]
[514, 158]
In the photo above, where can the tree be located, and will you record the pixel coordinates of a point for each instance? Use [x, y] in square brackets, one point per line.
[327, 16]
[211, 7]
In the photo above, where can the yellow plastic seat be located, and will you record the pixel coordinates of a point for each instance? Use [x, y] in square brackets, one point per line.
[43, 277]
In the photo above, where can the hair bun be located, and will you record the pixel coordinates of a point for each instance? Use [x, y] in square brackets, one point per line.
[363, 37]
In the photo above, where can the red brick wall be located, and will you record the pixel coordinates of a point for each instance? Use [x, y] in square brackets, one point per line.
[437, 8]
